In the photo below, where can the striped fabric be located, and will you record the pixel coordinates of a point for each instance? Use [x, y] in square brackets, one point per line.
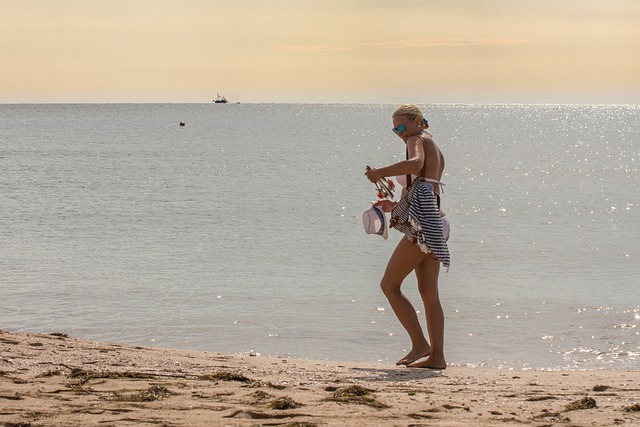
[418, 217]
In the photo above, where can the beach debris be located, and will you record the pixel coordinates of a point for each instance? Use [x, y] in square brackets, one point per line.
[80, 375]
[59, 335]
[276, 386]
[254, 415]
[541, 398]
[149, 395]
[272, 402]
[284, 402]
[632, 408]
[554, 416]
[356, 394]
[48, 374]
[83, 376]
[419, 416]
[584, 403]
[260, 396]
[447, 406]
[226, 376]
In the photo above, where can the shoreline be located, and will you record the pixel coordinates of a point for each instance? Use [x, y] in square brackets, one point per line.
[57, 380]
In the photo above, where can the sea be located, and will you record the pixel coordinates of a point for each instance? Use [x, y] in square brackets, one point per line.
[241, 231]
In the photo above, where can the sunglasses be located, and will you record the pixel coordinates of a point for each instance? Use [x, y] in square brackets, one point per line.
[402, 127]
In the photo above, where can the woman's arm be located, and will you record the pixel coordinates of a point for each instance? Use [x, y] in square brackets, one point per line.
[413, 165]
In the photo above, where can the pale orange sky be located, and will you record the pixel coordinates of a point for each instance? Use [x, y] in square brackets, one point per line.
[422, 51]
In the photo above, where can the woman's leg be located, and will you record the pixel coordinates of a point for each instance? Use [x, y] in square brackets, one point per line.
[405, 259]
[427, 274]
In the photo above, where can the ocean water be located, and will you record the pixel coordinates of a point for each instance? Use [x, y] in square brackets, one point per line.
[241, 231]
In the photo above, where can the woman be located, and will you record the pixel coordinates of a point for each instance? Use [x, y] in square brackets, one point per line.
[423, 247]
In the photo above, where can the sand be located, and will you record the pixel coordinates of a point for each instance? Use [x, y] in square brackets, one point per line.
[57, 380]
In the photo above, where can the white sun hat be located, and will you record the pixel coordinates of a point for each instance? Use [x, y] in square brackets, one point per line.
[375, 222]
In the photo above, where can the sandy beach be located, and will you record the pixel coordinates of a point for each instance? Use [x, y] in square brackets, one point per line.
[57, 380]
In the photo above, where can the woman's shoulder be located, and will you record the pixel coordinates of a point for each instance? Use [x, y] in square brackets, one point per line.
[421, 137]
[427, 140]
[426, 136]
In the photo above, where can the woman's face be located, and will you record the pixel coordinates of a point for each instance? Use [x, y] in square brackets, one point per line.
[404, 127]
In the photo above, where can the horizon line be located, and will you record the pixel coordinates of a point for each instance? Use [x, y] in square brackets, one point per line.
[312, 103]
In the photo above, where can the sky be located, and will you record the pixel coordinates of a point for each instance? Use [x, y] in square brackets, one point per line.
[320, 51]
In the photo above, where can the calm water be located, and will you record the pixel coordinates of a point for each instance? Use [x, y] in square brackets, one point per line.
[241, 232]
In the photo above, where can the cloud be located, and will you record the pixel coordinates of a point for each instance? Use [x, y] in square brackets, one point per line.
[448, 42]
[315, 48]
[424, 43]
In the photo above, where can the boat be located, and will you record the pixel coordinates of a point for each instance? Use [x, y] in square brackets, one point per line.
[220, 100]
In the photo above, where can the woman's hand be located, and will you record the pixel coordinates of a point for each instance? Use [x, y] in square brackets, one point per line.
[386, 205]
[373, 175]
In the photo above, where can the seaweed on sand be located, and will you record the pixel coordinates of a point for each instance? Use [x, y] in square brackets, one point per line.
[83, 376]
[584, 403]
[269, 401]
[149, 395]
[356, 394]
[226, 376]
[284, 403]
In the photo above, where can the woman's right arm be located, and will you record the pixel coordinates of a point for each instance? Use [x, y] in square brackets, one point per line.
[413, 165]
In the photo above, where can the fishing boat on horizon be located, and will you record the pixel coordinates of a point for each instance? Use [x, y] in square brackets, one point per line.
[220, 99]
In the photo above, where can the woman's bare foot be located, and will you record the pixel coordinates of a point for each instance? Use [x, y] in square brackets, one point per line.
[414, 354]
[431, 362]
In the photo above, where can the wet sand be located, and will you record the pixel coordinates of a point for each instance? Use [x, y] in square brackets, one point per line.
[57, 380]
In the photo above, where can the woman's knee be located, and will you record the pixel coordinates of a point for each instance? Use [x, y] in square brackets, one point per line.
[390, 287]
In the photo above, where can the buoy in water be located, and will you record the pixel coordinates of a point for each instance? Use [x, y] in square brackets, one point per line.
[182, 123]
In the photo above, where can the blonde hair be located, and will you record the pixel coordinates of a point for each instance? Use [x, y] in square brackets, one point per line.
[412, 111]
